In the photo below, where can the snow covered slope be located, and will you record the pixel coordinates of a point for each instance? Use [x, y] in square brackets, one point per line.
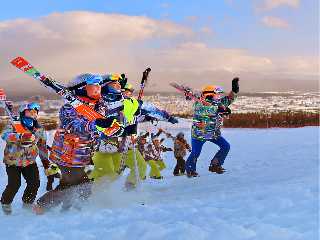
[269, 192]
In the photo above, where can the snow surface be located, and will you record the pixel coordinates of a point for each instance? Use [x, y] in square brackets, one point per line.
[270, 191]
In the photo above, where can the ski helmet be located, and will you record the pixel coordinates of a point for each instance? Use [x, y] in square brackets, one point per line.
[180, 135]
[128, 87]
[212, 90]
[29, 106]
[84, 79]
[109, 78]
[94, 80]
[107, 83]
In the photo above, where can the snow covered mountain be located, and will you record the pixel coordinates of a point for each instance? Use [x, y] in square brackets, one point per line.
[270, 191]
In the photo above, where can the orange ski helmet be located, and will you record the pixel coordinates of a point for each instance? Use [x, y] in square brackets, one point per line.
[212, 90]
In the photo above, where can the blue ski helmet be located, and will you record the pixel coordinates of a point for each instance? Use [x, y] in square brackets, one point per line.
[29, 106]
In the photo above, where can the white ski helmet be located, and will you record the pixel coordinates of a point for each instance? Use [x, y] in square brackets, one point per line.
[84, 79]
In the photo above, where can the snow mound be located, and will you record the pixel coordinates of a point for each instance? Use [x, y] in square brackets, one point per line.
[270, 191]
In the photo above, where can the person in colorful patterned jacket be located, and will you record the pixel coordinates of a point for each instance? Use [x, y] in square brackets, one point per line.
[152, 152]
[180, 151]
[74, 144]
[113, 155]
[207, 121]
[107, 158]
[20, 156]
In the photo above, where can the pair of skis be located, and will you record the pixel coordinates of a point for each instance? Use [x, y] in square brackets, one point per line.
[81, 108]
[189, 93]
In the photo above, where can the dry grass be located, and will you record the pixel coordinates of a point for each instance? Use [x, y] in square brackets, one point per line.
[281, 120]
[237, 120]
[261, 120]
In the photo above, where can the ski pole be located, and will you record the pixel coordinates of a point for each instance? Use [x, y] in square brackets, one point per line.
[124, 153]
[143, 83]
[136, 169]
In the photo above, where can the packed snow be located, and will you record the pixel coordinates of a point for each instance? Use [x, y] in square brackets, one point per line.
[270, 191]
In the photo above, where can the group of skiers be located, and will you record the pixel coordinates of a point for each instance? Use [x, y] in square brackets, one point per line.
[109, 144]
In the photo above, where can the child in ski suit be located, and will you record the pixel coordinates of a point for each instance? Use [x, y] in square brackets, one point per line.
[20, 157]
[152, 153]
[206, 126]
[74, 144]
[180, 151]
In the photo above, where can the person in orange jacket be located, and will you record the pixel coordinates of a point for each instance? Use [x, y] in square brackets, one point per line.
[20, 156]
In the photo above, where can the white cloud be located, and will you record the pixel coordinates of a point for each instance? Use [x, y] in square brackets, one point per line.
[275, 22]
[67, 44]
[271, 4]
[84, 40]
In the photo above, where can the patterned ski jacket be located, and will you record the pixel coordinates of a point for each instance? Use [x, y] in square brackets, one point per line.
[75, 141]
[206, 120]
[15, 154]
[154, 153]
[180, 148]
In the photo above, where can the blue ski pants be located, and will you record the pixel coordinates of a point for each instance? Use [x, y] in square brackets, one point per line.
[197, 144]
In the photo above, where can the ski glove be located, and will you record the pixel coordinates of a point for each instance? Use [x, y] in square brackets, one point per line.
[172, 120]
[123, 80]
[235, 85]
[53, 169]
[109, 126]
[52, 172]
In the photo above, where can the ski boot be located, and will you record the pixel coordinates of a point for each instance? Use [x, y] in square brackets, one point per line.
[6, 208]
[217, 169]
[178, 174]
[192, 174]
[154, 177]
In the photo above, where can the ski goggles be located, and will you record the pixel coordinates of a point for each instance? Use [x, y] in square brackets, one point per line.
[217, 90]
[94, 80]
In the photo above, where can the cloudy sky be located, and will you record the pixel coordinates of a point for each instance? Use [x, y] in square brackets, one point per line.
[272, 45]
